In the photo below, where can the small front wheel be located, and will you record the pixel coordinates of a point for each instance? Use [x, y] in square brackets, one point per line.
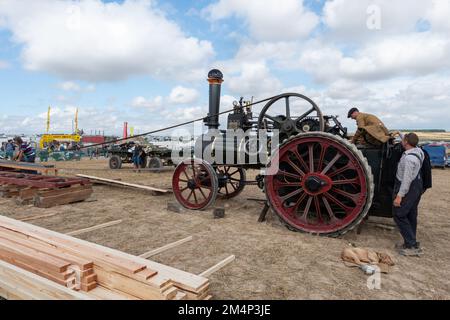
[195, 184]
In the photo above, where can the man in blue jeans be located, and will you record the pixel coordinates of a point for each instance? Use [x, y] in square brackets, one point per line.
[408, 191]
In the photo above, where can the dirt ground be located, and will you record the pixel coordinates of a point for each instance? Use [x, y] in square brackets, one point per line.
[271, 261]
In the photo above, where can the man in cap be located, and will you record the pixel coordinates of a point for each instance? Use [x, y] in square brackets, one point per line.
[371, 130]
[408, 191]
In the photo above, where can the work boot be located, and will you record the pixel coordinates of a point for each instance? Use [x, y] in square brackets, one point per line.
[400, 245]
[410, 252]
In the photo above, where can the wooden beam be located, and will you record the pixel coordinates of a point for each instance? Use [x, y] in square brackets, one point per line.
[93, 228]
[217, 267]
[165, 248]
[22, 284]
[122, 184]
[41, 216]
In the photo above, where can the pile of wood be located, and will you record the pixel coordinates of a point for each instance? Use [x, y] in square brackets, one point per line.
[31, 256]
[6, 165]
[43, 191]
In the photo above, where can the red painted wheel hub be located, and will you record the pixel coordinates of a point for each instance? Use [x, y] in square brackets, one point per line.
[320, 186]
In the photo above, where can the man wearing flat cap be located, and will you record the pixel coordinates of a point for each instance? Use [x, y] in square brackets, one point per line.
[371, 130]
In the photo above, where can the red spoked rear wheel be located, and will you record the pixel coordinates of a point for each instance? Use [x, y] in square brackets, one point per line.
[323, 184]
[195, 184]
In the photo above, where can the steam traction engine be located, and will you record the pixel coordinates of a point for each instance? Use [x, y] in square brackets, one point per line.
[321, 184]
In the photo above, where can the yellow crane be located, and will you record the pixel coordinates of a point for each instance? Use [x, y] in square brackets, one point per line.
[48, 138]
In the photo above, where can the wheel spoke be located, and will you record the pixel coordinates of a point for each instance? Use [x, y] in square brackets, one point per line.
[330, 211]
[299, 202]
[274, 119]
[306, 113]
[353, 197]
[317, 205]
[322, 156]
[331, 163]
[185, 181]
[203, 194]
[346, 181]
[348, 166]
[336, 201]
[290, 195]
[290, 175]
[190, 195]
[300, 159]
[304, 217]
[311, 157]
[226, 189]
[288, 108]
[195, 197]
[288, 184]
[185, 173]
[295, 167]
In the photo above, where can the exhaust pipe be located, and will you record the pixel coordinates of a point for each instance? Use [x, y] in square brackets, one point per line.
[215, 80]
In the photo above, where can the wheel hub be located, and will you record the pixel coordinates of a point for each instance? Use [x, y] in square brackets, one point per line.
[192, 184]
[315, 184]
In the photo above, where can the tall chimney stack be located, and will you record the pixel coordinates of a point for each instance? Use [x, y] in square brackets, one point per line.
[215, 80]
[125, 130]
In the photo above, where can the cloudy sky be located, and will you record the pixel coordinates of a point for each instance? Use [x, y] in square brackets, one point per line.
[145, 61]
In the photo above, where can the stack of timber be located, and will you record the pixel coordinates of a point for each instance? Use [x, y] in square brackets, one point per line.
[25, 167]
[43, 191]
[89, 270]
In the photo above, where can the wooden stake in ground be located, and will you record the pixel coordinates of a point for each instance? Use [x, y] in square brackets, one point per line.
[42, 216]
[217, 267]
[165, 248]
[93, 228]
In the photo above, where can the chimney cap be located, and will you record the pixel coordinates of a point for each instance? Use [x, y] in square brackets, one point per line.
[215, 74]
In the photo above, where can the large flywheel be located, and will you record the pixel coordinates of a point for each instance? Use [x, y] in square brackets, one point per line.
[323, 184]
[287, 113]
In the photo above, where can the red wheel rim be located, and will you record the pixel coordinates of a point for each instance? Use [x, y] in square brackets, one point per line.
[193, 185]
[320, 187]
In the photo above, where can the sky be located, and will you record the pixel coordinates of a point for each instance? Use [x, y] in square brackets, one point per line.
[146, 61]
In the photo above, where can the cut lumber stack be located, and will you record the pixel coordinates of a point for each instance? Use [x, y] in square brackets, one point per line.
[43, 191]
[96, 271]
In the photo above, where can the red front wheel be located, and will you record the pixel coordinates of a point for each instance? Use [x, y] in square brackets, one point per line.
[195, 184]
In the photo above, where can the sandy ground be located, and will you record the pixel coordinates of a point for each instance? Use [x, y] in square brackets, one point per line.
[271, 261]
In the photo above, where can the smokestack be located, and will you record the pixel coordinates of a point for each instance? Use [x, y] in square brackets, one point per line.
[125, 130]
[215, 79]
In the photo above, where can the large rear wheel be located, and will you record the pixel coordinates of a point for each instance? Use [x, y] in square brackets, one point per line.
[323, 185]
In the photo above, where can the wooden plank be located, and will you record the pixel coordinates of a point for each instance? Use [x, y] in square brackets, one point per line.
[72, 197]
[165, 248]
[218, 266]
[93, 228]
[101, 293]
[28, 255]
[124, 184]
[26, 285]
[22, 239]
[41, 216]
[62, 191]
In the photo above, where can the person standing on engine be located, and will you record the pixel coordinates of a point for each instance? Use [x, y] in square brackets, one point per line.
[408, 191]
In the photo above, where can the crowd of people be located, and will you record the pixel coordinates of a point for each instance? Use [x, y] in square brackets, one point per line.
[18, 150]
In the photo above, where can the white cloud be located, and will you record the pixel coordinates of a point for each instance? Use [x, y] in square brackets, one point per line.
[269, 20]
[69, 86]
[254, 79]
[184, 114]
[141, 102]
[182, 95]
[348, 19]
[96, 41]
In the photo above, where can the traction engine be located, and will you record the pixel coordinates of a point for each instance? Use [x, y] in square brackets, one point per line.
[320, 183]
